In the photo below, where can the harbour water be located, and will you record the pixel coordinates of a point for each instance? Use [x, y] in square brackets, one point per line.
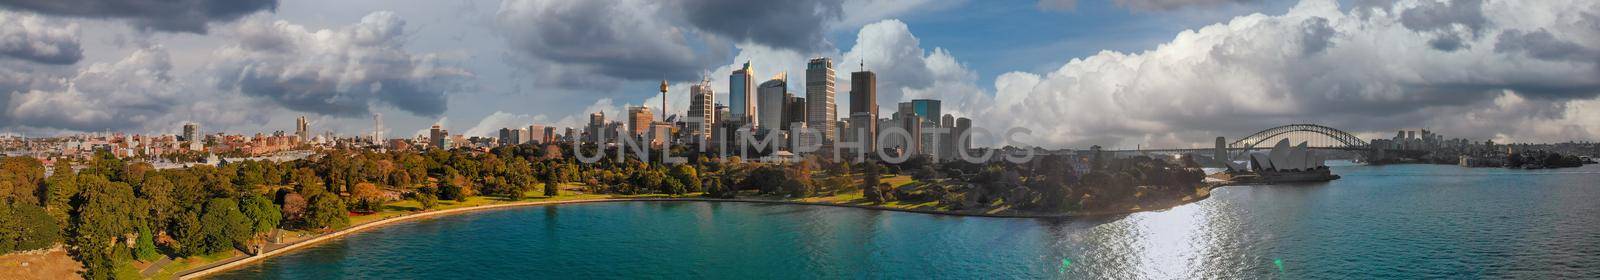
[1399, 221]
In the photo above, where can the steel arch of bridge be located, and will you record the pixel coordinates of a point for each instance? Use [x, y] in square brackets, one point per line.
[1345, 139]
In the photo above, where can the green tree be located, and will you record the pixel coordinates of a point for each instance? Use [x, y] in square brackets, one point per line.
[186, 229]
[426, 197]
[326, 211]
[688, 177]
[156, 191]
[223, 226]
[59, 191]
[264, 216]
[552, 185]
[25, 227]
[101, 220]
[145, 248]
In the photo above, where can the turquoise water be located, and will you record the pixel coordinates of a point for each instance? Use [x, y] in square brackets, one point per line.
[1406, 221]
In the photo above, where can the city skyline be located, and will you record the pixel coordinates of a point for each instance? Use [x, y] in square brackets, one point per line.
[1531, 81]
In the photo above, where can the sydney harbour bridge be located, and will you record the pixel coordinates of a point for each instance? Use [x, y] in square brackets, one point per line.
[1320, 136]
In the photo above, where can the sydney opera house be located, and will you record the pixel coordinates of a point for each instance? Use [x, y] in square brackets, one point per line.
[1283, 164]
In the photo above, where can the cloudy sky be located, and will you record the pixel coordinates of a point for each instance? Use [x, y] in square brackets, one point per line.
[1117, 73]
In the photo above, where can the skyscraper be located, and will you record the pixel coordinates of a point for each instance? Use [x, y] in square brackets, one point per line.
[639, 119]
[509, 137]
[191, 133]
[928, 109]
[820, 112]
[794, 112]
[772, 95]
[741, 103]
[597, 126]
[539, 133]
[438, 137]
[302, 128]
[702, 112]
[864, 108]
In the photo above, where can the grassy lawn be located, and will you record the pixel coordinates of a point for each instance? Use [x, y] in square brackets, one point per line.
[179, 265]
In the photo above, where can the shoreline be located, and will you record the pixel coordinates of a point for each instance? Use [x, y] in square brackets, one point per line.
[211, 269]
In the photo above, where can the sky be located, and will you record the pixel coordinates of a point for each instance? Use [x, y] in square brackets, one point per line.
[1115, 73]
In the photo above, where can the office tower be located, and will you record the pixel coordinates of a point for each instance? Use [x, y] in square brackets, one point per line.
[795, 113]
[302, 128]
[771, 95]
[191, 131]
[928, 109]
[864, 107]
[539, 133]
[659, 134]
[702, 112]
[438, 137]
[597, 124]
[947, 141]
[510, 137]
[913, 126]
[639, 120]
[377, 128]
[741, 102]
[963, 140]
[722, 114]
[820, 112]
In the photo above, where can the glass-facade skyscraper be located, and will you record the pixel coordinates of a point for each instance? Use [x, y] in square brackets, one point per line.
[820, 112]
[741, 95]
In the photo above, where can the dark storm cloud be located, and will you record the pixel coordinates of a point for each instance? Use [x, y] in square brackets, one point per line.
[338, 72]
[1442, 20]
[797, 25]
[33, 38]
[628, 40]
[1545, 46]
[163, 15]
[1316, 35]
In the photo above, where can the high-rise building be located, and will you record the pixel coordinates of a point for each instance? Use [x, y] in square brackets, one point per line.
[947, 141]
[597, 125]
[772, 95]
[864, 108]
[741, 99]
[539, 133]
[795, 113]
[302, 128]
[191, 131]
[820, 110]
[438, 137]
[963, 141]
[639, 119]
[928, 109]
[509, 137]
[702, 112]
[722, 114]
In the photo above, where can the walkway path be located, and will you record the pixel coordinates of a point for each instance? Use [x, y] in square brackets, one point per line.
[155, 267]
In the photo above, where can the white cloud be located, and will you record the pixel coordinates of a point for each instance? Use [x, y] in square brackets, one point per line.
[1362, 72]
[128, 93]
